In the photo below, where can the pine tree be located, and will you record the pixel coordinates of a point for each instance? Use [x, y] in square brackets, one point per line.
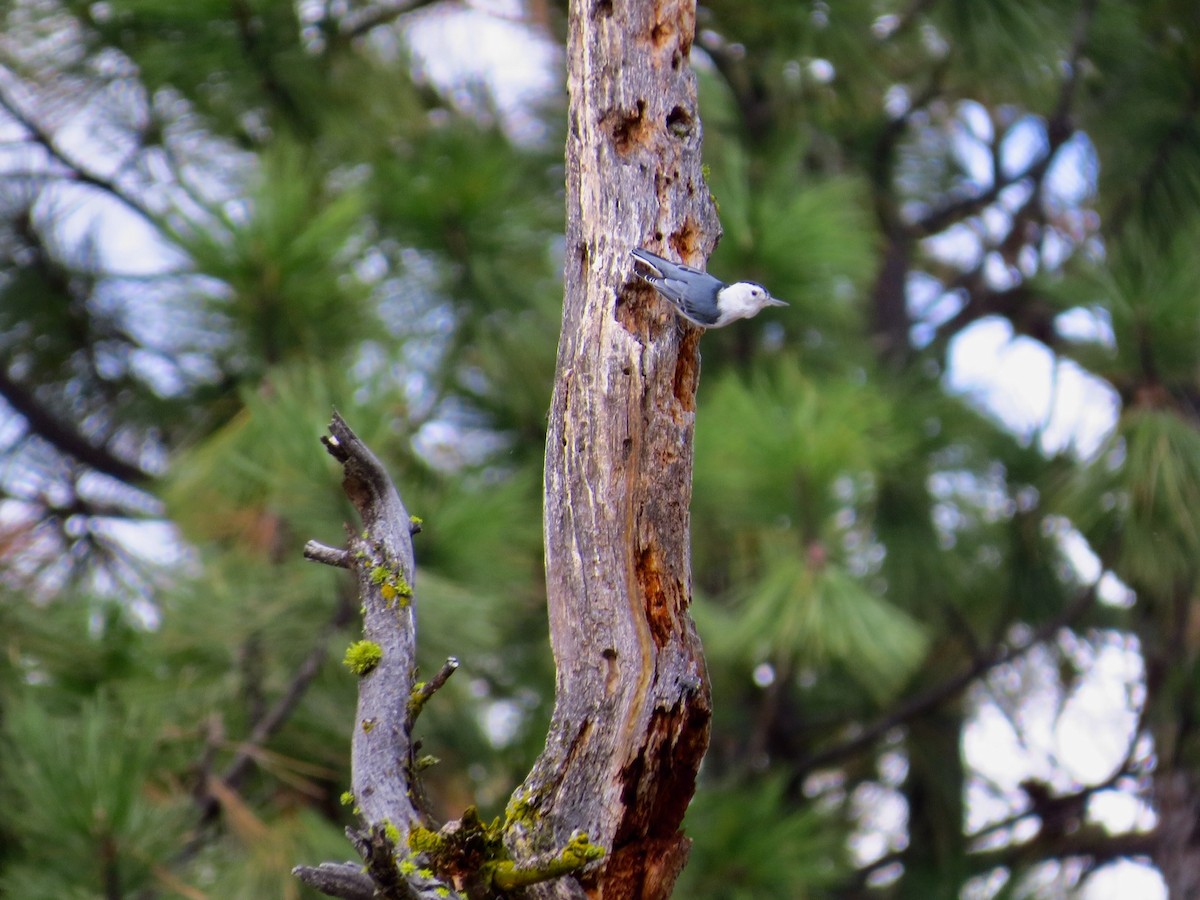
[219, 221]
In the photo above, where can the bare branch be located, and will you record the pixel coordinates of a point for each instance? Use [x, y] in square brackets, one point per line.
[275, 718]
[330, 556]
[1094, 843]
[422, 692]
[942, 218]
[359, 23]
[346, 880]
[383, 564]
[939, 694]
[381, 557]
[1059, 129]
[63, 436]
[75, 170]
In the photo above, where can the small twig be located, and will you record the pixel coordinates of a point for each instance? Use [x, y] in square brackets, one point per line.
[214, 735]
[274, 719]
[266, 726]
[379, 851]
[330, 556]
[346, 880]
[424, 690]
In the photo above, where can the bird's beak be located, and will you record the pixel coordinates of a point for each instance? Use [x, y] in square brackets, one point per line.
[772, 301]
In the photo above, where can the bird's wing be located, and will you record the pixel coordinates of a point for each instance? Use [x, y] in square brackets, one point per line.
[702, 314]
[679, 284]
[665, 267]
[683, 297]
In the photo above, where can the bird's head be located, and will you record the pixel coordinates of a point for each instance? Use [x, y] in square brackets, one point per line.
[743, 299]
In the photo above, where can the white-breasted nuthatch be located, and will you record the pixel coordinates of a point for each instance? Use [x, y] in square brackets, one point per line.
[700, 298]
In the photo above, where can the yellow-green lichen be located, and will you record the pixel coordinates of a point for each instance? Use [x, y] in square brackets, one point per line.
[407, 867]
[362, 657]
[347, 798]
[416, 700]
[422, 840]
[578, 853]
[519, 812]
[416, 520]
[393, 586]
[462, 848]
[367, 725]
[398, 587]
[392, 833]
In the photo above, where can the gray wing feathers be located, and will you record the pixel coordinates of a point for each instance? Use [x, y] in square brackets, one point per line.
[693, 292]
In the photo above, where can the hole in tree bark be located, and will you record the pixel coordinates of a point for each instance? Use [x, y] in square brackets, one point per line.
[660, 611]
[612, 672]
[627, 129]
[679, 122]
[635, 311]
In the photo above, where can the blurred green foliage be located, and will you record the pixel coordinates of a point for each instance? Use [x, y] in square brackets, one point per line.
[220, 221]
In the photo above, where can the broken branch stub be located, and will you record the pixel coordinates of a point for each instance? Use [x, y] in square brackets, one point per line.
[381, 558]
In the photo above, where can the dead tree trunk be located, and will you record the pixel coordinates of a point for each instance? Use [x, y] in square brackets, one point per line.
[632, 703]
[632, 708]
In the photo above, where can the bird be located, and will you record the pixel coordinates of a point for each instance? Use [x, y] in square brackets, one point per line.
[699, 297]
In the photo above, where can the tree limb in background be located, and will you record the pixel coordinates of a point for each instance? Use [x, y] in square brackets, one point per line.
[940, 693]
[1059, 128]
[65, 438]
[76, 170]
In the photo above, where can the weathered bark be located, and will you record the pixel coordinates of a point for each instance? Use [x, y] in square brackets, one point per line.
[381, 557]
[632, 704]
[1170, 642]
[1177, 839]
